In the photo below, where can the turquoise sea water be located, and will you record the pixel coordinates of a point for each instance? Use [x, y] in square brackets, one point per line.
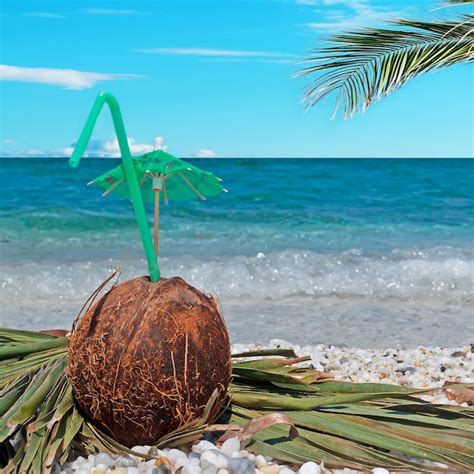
[296, 243]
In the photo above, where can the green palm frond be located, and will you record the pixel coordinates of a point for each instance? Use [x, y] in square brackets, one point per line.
[344, 424]
[366, 65]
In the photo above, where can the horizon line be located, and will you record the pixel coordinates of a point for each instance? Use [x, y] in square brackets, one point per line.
[258, 157]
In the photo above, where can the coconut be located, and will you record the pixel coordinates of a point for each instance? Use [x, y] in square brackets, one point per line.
[146, 358]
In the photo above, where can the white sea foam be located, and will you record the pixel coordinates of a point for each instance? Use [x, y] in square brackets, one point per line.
[440, 276]
[292, 274]
[403, 298]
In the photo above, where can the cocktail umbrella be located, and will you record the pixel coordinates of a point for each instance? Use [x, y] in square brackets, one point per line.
[161, 175]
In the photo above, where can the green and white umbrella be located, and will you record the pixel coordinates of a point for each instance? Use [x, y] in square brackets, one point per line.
[161, 176]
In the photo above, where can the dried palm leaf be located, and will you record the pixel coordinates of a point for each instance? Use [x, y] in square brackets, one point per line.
[359, 426]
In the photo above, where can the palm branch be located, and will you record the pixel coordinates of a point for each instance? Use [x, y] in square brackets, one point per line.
[366, 65]
[343, 424]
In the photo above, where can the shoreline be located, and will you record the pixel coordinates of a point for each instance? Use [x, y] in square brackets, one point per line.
[360, 324]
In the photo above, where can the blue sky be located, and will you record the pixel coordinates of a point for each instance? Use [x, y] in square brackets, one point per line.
[212, 78]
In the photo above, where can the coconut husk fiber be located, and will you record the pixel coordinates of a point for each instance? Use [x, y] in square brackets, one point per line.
[145, 359]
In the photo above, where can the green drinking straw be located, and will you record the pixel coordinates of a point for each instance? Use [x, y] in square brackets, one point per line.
[137, 201]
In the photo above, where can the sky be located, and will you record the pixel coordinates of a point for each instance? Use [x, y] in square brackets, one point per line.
[212, 78]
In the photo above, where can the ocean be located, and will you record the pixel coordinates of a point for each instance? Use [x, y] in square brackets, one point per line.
[356, 252]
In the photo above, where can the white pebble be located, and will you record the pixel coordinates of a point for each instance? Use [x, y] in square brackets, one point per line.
[286, 470]
[380, 470]
[241, 466]
[273, 469]
[230, 446]
[260, 461]
[191, 469]
[103, 459]
[309, 468]
[194, 458]
[202, 446]
[208, 468]
[215, 457]
[141, 449]
[125, 461]
[177, 458]
[133, 470]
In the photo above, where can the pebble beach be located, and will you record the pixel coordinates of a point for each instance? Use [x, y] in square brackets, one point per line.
[422, 367]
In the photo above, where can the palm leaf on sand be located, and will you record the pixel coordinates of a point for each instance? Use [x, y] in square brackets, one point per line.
[366, 65]
[343, 424]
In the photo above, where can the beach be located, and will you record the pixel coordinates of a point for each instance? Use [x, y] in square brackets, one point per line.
[357, 253]
[364, 266]
[422, 367]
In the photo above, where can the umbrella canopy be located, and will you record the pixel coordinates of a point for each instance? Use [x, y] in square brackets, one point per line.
[175, 178]
[161, 174]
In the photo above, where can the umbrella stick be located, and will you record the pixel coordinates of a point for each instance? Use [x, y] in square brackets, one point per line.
[157, 218]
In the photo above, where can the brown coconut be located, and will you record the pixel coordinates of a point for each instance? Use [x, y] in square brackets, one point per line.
[146, 358]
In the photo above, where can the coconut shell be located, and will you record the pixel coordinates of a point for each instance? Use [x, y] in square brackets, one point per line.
[146, 358]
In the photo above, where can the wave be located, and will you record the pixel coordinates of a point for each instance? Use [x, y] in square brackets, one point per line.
[442, 275]
[292, 274]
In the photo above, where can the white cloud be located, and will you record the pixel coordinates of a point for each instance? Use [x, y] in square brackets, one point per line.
[31, 152]
[8, 141]
[44, 15]
[109, 11]
[109, 148]
[339, 15]
[203, 153]
[68, 78]
[159, 143]
[253, 60]
[209, 52]
[64, 151]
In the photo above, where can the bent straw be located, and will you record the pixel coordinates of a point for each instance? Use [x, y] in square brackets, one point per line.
[130, 175]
